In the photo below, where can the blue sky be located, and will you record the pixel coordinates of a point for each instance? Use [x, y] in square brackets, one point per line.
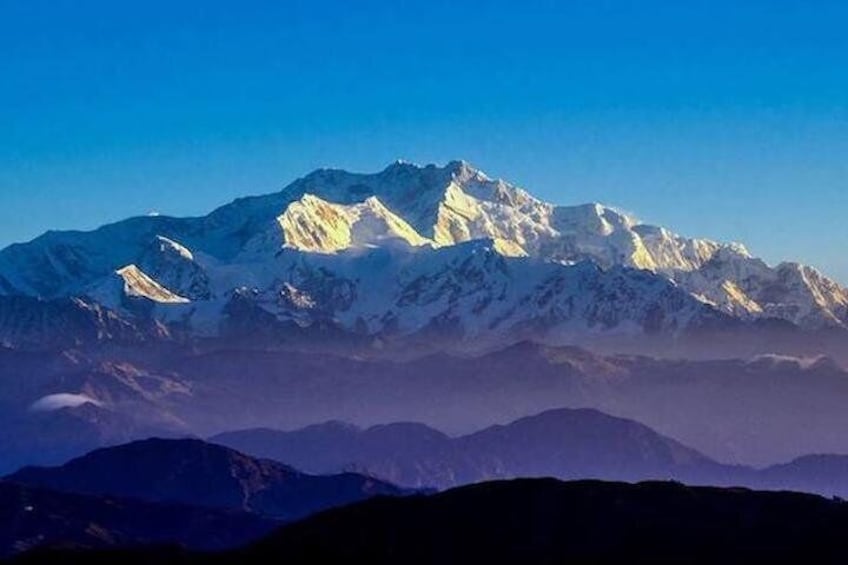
[720, 119]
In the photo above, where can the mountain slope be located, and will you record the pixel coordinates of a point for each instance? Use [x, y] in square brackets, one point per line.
[312, 224]
[200, 474]
[60, 323]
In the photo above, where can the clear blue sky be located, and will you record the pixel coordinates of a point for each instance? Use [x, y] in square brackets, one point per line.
[726, 119]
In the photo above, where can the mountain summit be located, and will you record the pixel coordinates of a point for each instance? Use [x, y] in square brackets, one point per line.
[403, 252]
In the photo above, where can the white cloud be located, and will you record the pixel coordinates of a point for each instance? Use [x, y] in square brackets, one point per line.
[61, 400]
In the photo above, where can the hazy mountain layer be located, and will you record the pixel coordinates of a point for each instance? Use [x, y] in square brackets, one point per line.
[567, 444]
[763, 410]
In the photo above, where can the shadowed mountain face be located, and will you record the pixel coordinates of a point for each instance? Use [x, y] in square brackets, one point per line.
[201, 474]
[546, 521]
[32, 517]
[559, 443]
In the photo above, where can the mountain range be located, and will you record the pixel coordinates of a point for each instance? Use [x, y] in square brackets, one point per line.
[439, 255]
[564, 444]
[344, 463]
[198, 495]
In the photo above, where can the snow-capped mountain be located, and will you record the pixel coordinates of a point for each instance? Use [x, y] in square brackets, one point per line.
[414, 249]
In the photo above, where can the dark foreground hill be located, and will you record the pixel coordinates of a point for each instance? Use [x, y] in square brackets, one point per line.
[193, 472]
[547, 521]
[31, 517]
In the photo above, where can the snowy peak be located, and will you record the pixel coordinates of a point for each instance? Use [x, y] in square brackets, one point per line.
[803, 293]
[174, 266]
[316, 225]
[411, 192]
[457, 203]
[611, 237]
[447, 204]
[735, 282]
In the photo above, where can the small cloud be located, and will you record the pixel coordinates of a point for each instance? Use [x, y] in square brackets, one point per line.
[53, 402]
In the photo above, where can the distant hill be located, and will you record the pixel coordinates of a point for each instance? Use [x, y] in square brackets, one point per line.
[564, 443]
[824, 474]
[197, 473]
